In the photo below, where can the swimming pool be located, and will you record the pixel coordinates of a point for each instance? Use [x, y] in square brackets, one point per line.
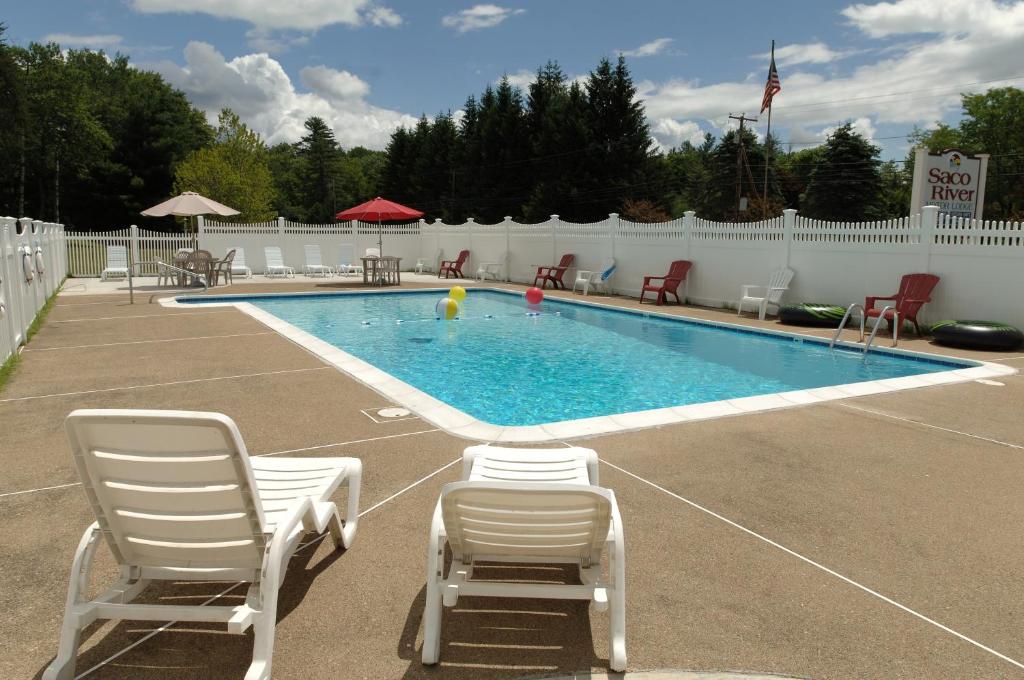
[528, 375]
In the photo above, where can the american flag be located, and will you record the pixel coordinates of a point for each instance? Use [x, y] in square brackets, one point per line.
[773, 86]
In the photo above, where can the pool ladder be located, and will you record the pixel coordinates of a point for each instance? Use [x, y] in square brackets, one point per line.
[874, 329]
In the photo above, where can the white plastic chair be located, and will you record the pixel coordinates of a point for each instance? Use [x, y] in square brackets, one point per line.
[238, 265]
[176, 497]
[533, 522]
[423, 264]
[275, 263]
[492, 269]
[315, 264]
[777, 286]
[346, 260]
[596, 279]
[117, 262]
[372, 252]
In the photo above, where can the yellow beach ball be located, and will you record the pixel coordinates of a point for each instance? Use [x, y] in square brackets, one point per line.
[457, 293]
[446, 308]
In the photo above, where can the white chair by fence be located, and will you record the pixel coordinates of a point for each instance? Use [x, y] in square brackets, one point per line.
[533, 506]
[346, 260]
[177, 498]
[492, 269]
[117, 263]
[315, 264]
[372, 252]
[596, 279]
[773, 292]
[423, 264]
[238, 265]
[275, 263]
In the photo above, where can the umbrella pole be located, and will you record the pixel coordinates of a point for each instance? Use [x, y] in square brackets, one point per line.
[380, 247]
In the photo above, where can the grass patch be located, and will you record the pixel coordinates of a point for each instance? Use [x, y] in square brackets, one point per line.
[8, 367]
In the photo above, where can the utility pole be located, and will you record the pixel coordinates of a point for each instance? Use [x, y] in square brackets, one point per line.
[740, 156]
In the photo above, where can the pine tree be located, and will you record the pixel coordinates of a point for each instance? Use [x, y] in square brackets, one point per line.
[846, 182]
[319, 151]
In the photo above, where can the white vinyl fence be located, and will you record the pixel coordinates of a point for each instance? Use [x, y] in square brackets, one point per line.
[33, 262]
[981, 263]
[87, 250]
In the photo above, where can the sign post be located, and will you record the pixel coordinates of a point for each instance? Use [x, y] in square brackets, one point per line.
[952, 180]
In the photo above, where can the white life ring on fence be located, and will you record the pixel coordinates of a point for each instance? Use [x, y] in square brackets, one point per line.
[39, 260]
[3, 307]
[26, 263]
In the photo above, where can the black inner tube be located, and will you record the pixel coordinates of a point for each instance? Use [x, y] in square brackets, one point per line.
[977, 335]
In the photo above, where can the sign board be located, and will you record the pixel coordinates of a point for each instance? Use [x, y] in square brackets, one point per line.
[952, 180]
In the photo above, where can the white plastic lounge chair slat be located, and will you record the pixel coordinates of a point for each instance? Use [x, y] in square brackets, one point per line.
[175, 497]
[485, 462]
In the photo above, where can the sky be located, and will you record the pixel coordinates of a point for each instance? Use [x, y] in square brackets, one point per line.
[367, 67]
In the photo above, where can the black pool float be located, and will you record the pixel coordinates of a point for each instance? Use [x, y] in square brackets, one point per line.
[977, 335]
[812, 314]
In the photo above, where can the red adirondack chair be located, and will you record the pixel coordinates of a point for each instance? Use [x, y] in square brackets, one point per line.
[554, 274]
[669, 282]
[915, 290]
[453, 266]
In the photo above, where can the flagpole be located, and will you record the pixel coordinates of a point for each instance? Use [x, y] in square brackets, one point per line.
[767, 146]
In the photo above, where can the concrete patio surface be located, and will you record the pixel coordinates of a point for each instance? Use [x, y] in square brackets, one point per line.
[872, 537]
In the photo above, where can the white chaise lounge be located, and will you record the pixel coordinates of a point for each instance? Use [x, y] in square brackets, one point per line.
[238, 265]
[773, 292]
[176, 497]
[117, 263]
[527, 506]
[315, 263]
[275, 263]
[492, 269]
[347, 263]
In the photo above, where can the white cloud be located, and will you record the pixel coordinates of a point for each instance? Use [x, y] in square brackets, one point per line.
[259, 90]
[479, 16]
[862, 126]
[334, 85]
[306, 15]
[384, 16]
[806, 53]
[521, 79]
[263, 40]
[96, 42]
[649, 49]
[670, 133]
[915, 85]
[906, 17]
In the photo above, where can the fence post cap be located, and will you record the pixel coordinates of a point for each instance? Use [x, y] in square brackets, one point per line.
[554, 217]
[690, 213]
[507, 218]
[789, 211]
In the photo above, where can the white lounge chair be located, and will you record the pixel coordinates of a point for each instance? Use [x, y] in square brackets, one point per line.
[238, 265]
[527, 506]
[772, 295]
[596, 279]
[346, 260]
[315, 264]
[372, 252]
[176, 497]
[117, 263]
[492, 269]
[423, 264]
[275, 263]
[488, 463]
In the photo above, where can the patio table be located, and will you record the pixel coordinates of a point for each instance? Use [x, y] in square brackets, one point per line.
[382, 270]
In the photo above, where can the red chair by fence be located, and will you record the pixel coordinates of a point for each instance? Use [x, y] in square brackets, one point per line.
[915, 290]
[554, 274]
[453, 266]
[669, 282]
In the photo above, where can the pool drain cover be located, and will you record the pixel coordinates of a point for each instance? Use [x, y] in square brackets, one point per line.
[393, 412]
[421, 341]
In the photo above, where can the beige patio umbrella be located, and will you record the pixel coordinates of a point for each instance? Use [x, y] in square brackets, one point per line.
[189, 204]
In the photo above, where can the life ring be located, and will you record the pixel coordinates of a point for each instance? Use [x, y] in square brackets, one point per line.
[812, 314]
[3, 307]
[40, 265]
[977, 335]
[26, 263]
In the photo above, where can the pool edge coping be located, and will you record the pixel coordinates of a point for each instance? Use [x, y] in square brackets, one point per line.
[461, 424]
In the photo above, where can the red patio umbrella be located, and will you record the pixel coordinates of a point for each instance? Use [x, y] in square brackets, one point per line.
[378, 210]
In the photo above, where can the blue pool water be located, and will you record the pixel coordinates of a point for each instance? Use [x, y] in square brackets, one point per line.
[502, 366]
